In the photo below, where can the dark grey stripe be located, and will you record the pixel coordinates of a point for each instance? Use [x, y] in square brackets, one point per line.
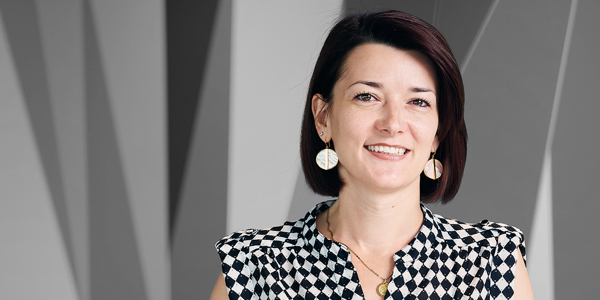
[202, 210]
[189, 29]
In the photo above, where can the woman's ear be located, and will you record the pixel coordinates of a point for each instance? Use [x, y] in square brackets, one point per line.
[319, 110]
[435, 144]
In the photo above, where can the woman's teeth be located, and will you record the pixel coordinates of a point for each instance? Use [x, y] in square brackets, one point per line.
[387, 150]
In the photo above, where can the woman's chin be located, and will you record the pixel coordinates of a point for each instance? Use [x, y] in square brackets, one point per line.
[380, 180]
[387, 185]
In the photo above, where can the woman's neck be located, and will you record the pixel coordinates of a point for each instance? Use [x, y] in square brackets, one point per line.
[375, 223]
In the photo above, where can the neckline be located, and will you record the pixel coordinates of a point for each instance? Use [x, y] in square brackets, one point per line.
[426, 238]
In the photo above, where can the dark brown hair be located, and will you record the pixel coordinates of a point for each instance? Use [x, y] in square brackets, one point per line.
[401, 31]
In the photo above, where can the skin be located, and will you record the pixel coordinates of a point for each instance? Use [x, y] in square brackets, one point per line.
[220, 290]
[377, 104]
[385, 97]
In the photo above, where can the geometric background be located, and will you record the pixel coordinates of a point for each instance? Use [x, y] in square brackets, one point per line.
[134, 134]
[83, 156]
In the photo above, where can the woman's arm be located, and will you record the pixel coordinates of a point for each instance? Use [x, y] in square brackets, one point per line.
[523, 289]
[220, 290]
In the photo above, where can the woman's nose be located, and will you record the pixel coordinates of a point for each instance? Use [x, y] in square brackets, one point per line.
[392, 119]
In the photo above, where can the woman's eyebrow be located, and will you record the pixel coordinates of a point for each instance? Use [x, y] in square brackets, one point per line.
[416, 89]
[369, 83]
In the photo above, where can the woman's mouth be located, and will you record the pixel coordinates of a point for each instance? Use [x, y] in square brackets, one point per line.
[389, 150]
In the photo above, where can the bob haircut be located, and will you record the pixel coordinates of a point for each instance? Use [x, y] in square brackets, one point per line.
[405, 32]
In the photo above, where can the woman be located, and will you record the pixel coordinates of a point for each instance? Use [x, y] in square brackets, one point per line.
[385, 103]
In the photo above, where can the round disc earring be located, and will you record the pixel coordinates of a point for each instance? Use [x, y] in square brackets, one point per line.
[327, 159]
[433, 168]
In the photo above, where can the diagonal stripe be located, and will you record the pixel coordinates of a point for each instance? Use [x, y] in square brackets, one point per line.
[189, 27]
[436, 8]
[131, 43]
[62, 43]
[541, 264]
[33, 255]
[23, 32]
[114, 256]
[478, 36]
[573, 145]
[540, 256]
[202, 214]
[459, 22]
[561, 75]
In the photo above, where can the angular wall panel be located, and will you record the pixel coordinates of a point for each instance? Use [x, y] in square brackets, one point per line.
[575, 192]
[460, 22]
[271, 68]
[34, 262]
[131, 45]
[202, 210]
[24, 38]
[108, 241]
[540, 254]
[115, 264]
[189, 26]
[61, 28]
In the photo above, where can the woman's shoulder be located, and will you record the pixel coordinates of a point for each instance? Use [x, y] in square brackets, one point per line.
[285, 235]
[482, 233]
[290, 234]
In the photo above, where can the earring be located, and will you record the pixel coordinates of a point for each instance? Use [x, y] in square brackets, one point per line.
[327, 159]
[433, 168]
[321, 133]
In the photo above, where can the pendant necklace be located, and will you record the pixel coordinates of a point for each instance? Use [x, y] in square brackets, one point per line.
[382, 287]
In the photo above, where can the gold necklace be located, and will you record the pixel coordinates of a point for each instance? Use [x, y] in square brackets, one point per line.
[382, 287]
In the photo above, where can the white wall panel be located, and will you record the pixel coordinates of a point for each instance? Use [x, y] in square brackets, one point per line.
[274, 48]
[540, 257]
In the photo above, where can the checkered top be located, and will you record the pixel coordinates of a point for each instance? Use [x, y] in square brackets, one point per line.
[447, 259]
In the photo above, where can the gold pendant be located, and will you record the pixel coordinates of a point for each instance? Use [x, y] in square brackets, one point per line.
[382, 288]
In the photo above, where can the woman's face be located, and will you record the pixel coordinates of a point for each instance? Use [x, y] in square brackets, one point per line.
[382, 118]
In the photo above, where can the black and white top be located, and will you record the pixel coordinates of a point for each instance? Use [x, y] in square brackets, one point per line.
[447, 259]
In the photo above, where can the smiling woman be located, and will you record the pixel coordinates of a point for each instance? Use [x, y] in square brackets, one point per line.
[386, 101]
[399, 31]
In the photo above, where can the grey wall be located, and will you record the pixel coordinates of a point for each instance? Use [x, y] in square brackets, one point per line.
[135, 134]
[197, 147]
[575, 198]
[83, 153]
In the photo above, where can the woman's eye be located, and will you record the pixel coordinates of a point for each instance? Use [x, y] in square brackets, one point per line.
[420, 102]
[365, 97]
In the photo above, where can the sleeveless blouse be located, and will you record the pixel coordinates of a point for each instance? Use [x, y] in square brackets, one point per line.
[447, 259]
